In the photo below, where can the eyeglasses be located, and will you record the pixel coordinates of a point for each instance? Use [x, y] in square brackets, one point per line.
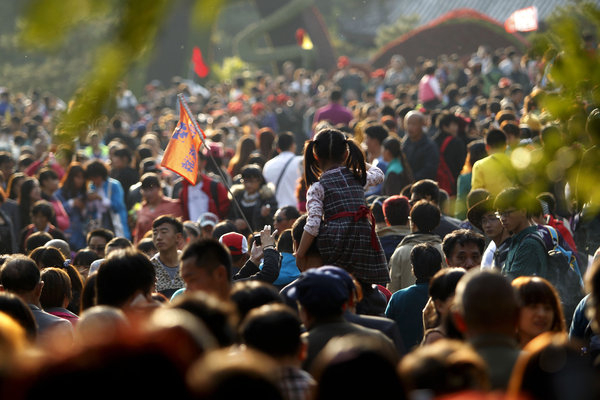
[505, 213]
[491, 219]
[98, 247]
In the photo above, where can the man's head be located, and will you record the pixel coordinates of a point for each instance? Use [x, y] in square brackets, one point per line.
[320, 293]
[336, 95]
[117, 243]
[424, 216]
[206, 266]
[167, 233]
[274, 329]
[42, 213]
[495, 140]
[207, 223]
[35, 240]
[463, 248]
[486, 304]
[375, 134]
[48, 180]
[285, 217]
[150, 188]
[20, 275]
[396, 210]
[426, 260]
[448, 122]
[413, 125]
[286, 142]
[96, 171]
[483, 216]
[425, 189]
[237, 244]
[125, 277]
[121, 157]
[513, 206]
[297, 231]
[97, 240]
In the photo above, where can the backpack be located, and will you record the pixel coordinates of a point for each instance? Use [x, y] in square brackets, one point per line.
[444, 177]
[563, 273]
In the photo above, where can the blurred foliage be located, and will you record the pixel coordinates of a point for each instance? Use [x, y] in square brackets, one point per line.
[572, 76]
[231, 67]
[387, 33]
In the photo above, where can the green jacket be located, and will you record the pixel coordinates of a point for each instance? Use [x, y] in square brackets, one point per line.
[526, 256]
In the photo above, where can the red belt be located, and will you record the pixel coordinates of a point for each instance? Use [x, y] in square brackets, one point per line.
[363, 211]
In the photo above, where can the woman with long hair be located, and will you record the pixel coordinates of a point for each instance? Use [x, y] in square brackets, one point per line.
[540, 309]
[30, 193]
[265, 137]
[72, 195]
[14, 184]
[244, 148]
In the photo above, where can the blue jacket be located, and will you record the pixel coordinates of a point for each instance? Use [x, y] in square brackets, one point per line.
[117, 202]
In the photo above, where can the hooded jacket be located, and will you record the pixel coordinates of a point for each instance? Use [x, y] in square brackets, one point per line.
[401, 275]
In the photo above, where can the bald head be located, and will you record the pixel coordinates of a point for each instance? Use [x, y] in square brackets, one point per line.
[487, 303]
[413, 122]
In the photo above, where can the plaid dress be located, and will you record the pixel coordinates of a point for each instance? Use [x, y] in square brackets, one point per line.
[343, 241]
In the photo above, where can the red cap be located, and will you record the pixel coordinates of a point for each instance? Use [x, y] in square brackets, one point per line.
[378, 73]
[257, 108]
[235, 242]
[387, 96]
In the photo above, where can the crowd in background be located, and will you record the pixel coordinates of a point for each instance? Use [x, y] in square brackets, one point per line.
[485, 228]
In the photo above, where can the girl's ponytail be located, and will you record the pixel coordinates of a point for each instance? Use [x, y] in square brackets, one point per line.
[311, 168]
[356, 162]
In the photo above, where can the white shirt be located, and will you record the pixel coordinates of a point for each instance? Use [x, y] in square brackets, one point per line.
[487, 260]
[286, 193]
[197, 201]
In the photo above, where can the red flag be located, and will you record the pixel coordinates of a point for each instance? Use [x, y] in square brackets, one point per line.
[200, 68]
[181, 154]
[523, 20]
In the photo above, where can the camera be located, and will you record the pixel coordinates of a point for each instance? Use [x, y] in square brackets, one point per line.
[257, 239]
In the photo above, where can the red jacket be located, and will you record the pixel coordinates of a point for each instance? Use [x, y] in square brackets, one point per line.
[219, 206]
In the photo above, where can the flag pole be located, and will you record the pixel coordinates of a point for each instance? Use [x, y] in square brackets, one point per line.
[183, 102]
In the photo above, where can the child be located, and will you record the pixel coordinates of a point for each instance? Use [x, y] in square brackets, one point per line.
[336, 174]
[41, 215]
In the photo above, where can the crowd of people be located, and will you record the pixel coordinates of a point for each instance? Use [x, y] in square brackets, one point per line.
[424, 231]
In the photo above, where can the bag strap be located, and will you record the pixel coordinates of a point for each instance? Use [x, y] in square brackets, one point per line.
[445, 144]
[283, 172]
[214, 192]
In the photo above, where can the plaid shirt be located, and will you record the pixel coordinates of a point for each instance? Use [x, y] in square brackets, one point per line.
[295, 383]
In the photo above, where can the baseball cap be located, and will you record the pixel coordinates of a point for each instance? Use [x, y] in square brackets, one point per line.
[320, 287]
[208, 218]
[235, 242]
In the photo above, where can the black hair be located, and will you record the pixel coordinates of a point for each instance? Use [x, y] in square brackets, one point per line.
[290, 212]
[168, 219]
[515, 197]
[285, 243]
[209, 254]
[425, 215]
[218, 316]
[13, 306]
[426, 261]
[96, 168]
[393, 145]
[495, 138]
[443, 284]
[119, 243]
[47, 173]
[336, 94]
[298, 230]
[377, 208]
[36, 239]
[19, 274]
[121, 275]
[462, 236]
[377, 131]
[46, 257]
[67, 184]
[102, 232]
[84, 258]
[285, 140]
[253, 171]
[248, 295]
[549, 200]
[273, 329]
[222, 228]
[150, 179]
[146, 245]
[424, 188]
[331, 145]
[43, 207]
[445, 119]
